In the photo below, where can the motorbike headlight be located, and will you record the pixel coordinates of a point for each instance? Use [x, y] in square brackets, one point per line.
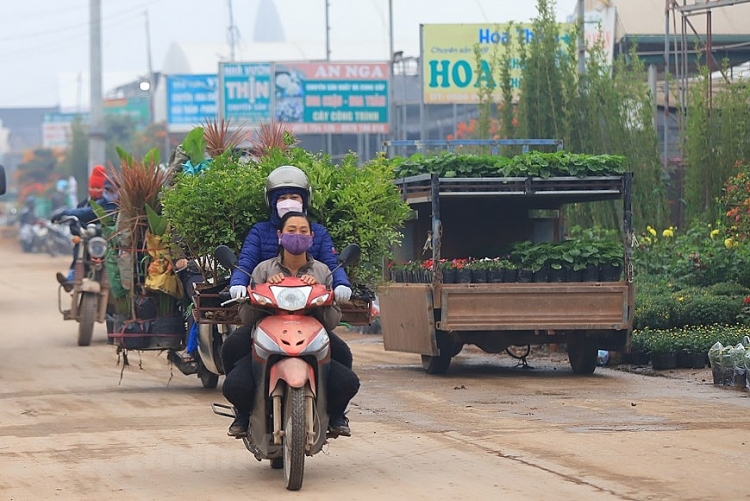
[97, 247]
[291, 298]
[92, 230]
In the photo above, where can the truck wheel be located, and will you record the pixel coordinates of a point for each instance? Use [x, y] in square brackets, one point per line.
[436, 365]
[582, 357]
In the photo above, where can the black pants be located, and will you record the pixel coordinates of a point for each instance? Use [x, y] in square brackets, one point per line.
[239, 386]
[239, 343]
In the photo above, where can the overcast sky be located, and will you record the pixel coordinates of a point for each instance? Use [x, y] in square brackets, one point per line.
[44, 44]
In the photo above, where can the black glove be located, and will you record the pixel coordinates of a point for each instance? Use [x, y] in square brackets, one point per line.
[57, 215]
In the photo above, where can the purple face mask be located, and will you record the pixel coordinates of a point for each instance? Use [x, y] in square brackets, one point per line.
[296, 243]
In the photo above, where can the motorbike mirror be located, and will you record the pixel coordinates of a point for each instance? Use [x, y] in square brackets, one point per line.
[226, 257]
[3, 185]
[349, 255]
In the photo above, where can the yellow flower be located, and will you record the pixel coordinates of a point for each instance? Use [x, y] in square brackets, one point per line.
[680, 299]
[729, 243]
[651, 230]
[714, 233]
[647, 240]
[668, 233]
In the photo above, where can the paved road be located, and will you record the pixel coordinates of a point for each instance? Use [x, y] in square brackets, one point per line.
[75, 425]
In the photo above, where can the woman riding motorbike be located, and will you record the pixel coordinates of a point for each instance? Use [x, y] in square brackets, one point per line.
[287, 189]
[295, 238]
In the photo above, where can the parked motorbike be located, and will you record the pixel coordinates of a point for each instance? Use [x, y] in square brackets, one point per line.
[289, 419]
[207, 362]
[90, 291]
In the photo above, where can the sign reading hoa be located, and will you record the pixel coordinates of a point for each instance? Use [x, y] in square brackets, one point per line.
[450, 70]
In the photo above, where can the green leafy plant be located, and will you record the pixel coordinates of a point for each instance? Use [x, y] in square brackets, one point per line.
[195, 144]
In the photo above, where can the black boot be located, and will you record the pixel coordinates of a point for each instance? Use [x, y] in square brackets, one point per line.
[339, 426]
[238, 428]
[68, 286]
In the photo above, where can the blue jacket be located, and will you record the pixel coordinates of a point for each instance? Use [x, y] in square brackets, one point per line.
[86, 214]
[262, 243]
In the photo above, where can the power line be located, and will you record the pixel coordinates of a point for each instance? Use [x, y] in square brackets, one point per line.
[77, 26]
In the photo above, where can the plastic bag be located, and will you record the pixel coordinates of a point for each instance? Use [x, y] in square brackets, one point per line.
[161, 276]
[727, 366]
[737, 354]
[714, 359]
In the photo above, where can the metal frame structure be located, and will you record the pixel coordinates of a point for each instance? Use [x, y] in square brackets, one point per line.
[688, 9]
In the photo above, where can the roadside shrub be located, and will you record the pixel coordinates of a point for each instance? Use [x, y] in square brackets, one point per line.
[706, 309]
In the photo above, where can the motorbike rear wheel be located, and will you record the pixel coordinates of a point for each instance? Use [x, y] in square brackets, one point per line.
[209, 380]
[294, 438]
[86, 316]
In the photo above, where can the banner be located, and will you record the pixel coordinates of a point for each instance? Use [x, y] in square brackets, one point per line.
[191, 100]
[450, 70]
[331, 98]
[245, 92]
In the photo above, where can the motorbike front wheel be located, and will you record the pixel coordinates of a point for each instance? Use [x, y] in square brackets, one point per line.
[86, 316]
[294, 438]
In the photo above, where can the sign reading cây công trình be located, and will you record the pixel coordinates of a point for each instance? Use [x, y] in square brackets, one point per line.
[450, 70]
[332, 97]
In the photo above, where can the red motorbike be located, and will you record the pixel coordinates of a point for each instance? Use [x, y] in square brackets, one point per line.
[289, 419]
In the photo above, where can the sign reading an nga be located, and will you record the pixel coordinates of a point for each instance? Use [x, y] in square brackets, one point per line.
[191, 100]
[332, 98]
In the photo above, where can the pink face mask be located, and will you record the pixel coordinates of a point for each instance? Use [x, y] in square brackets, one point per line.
[289, 205]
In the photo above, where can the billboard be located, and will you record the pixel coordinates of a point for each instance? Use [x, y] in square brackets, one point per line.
[450, 70]
[57, 128]
[191, 100]
[245, 92]
[331, 98]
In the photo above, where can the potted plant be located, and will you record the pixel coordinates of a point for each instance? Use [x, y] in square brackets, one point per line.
[690, 352]
[479, 269]
[610, 259]
[662, 350]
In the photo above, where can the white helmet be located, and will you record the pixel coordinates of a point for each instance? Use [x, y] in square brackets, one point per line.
[287, 176]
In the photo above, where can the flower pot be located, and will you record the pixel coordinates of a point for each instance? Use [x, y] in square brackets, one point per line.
[510, 275]
[591, 273]
[449, 276]
[542, 275]
[525, 276]
[397, 276]
[638, 357]
[690, 360]
[495, 276]
[610, 273]
[718, 374]
[557, 275]
[479, 276]
[664, 361]
[572, 275]
[463, 276]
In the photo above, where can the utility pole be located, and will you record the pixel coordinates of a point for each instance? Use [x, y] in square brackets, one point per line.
[97, 132]
[232, 33]
[581, 38]
[329, 137]
[328, 32]
[151, 82]
[391, 54]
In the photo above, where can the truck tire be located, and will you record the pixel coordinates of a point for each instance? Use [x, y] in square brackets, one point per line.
[436, 365]
[582, 357]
